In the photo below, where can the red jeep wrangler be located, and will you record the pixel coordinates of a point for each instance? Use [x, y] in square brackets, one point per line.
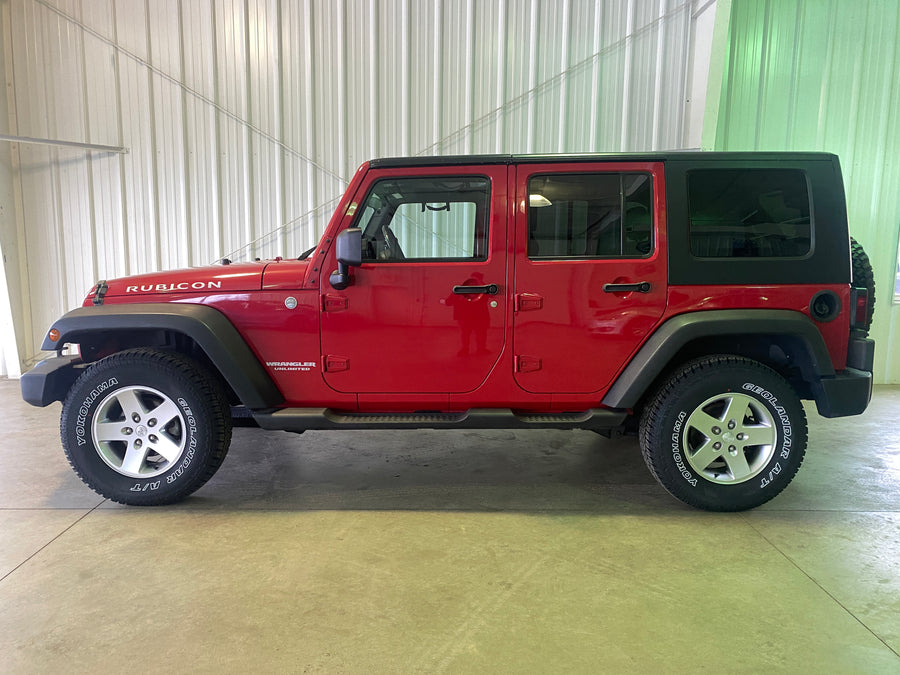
[694, 297]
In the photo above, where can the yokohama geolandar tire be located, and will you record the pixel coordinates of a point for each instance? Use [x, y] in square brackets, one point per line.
[145, 427]
[724, 433]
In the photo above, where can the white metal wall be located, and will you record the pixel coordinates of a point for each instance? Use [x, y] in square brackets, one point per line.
[244, 119]
[825, 75]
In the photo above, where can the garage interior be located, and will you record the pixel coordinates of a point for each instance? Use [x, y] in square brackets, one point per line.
[138, 136]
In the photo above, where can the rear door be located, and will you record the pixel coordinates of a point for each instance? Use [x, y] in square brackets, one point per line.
[590, 277]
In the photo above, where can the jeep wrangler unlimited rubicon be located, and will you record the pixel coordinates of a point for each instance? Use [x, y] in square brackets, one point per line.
[693, 297]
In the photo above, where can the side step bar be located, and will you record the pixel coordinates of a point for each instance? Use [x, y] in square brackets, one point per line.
[310, 419]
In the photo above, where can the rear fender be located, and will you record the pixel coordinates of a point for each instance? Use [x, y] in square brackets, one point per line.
[676, 333]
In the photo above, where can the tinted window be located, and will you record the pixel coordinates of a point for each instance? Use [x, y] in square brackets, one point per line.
[738, 213]
[442, 217]
[598, 215]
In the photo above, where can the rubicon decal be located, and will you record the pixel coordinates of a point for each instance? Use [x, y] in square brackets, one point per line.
[183, 286]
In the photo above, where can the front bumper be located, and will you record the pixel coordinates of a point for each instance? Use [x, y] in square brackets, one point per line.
[50, 380]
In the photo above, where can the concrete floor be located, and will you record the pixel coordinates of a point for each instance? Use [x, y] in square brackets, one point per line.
[434, 551]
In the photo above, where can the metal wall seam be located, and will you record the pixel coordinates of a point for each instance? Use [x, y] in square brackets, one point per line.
[245, 119]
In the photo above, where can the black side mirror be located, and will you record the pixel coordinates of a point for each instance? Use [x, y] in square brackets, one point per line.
[348, 249]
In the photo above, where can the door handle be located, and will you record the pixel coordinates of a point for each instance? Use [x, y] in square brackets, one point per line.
[640, 287]
[490, 289]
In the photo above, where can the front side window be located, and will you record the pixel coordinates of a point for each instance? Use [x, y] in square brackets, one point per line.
[590, 215]
[749, 213]
[440, 217]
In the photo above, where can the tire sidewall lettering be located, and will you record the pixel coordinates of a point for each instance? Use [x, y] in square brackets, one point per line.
[85, 412]
[191, 448]
[785, 437]
[677, 456]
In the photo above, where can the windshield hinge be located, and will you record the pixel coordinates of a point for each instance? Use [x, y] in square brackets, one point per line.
[99, 292]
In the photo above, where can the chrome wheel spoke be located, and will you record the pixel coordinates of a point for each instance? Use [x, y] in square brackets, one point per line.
[164, 413]
[129, 402]
[737, 464]
[705, 455]
[758, 435]
[167, 448]
[110, 431]
[703, 423]
[735, 408]
[134, 459]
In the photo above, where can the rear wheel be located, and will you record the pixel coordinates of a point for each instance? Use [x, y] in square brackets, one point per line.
[145, 427]
[724, 433]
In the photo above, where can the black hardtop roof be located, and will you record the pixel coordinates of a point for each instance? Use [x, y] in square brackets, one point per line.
[664, 156]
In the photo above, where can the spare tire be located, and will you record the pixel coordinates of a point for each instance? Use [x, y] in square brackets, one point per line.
[863, 277]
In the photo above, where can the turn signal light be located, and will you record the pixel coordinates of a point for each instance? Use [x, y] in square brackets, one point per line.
[53, 335]
[859, 304]
[862, 307]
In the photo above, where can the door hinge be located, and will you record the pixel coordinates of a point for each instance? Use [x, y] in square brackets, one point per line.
[334, 303]
[527, 364]
[335, 364]
[528, 301]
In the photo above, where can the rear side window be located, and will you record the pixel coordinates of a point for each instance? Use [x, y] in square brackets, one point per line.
[749, 213]
[590, 215]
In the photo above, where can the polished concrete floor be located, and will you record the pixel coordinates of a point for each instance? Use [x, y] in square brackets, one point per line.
[459, 552]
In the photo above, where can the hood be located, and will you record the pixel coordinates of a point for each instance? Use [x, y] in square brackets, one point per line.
[194, 281]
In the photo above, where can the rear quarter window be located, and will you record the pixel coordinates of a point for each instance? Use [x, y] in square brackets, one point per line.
[749, 213]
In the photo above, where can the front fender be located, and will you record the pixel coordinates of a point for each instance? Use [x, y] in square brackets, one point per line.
[208, 327]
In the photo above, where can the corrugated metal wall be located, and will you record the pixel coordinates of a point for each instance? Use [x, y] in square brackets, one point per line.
[244, 119]
[825, 75]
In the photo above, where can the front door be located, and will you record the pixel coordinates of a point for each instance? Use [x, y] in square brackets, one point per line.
[590, 276]
[425, 312]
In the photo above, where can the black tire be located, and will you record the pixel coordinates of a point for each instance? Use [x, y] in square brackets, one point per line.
[863, 277]
[145, 427]
[686, 417]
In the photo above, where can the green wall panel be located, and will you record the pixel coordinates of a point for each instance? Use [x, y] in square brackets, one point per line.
[823, 75]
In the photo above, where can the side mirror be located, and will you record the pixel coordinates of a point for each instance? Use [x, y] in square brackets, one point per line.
[348, 249]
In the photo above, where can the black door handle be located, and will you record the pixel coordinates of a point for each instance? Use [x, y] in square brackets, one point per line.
[640, 287]
[490, 289]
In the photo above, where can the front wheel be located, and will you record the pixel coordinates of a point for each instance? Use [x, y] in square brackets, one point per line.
[724, 433]
[145, 427]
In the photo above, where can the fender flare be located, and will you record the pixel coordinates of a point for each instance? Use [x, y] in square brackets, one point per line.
[656, 353]
[208, 327]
